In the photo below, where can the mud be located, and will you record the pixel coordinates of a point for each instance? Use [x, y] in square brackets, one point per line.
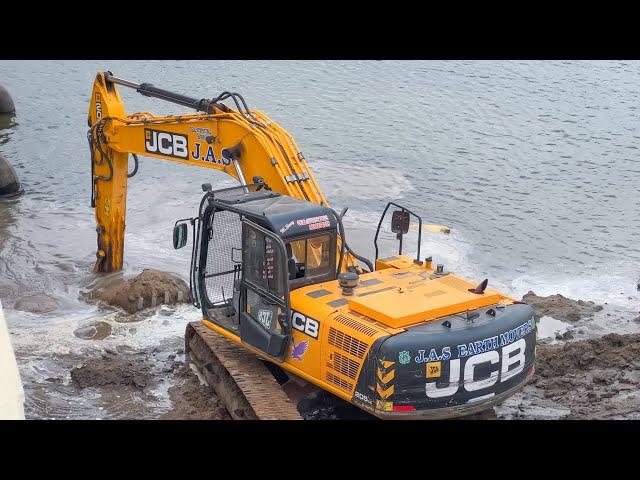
[323, 405]
[560, 308]
[128, 382]
[578, 378]
[38, 304]
[148, 289]
[597, 378]
[193, 400]
[112, 369]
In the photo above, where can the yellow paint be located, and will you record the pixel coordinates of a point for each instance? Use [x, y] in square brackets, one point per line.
[289, 364]
[434, 369]
[384, 406]
[405, 305]
[384, 392]
[386, 378]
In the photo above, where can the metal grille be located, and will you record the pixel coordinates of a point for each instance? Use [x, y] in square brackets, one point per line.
[347, 343]
[344, 365]
[357, 326]
[344, 385]
[219, 274]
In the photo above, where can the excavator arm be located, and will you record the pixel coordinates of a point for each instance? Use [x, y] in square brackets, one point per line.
[242, 143]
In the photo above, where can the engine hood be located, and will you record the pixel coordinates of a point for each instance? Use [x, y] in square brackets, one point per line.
[401, 306]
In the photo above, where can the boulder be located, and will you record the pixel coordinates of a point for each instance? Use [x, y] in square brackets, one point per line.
[9, 184]
[6, 102]
[93, 331]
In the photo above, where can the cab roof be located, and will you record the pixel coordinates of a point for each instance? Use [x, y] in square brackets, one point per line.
[283, 215]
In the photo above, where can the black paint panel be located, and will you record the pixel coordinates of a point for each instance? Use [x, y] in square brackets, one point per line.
[410, 372]
[411, 378]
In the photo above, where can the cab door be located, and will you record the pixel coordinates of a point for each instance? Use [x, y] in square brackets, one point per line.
[265, 312]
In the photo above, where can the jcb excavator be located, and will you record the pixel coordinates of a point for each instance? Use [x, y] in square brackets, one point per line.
[279, 285]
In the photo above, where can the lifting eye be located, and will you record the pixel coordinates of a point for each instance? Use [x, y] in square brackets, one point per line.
[491, 312]
[447, 323]
[479, 290]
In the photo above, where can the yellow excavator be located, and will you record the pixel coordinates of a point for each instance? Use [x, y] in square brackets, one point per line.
[281, 290]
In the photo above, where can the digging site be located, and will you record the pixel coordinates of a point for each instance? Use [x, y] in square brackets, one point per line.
[398, 283]
[579, 375]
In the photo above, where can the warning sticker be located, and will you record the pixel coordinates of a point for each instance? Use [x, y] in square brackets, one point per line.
[434, 369]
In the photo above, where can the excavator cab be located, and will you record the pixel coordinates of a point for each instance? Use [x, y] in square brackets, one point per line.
[252, 246]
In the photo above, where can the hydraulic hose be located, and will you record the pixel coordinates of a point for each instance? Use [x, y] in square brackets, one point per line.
[135, 167]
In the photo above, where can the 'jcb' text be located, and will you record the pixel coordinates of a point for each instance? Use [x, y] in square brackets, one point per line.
[166, 143]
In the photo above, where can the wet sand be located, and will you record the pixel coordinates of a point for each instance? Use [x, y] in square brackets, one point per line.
[581, 374]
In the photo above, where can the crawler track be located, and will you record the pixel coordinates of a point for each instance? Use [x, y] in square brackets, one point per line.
[246, 387]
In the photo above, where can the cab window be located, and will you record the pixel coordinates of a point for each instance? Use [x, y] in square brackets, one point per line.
[262, 259]
[309, 257]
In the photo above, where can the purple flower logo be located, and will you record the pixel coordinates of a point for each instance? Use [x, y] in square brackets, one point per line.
[297, 351]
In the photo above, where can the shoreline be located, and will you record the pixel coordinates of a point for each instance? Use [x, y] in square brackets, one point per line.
[584, 370]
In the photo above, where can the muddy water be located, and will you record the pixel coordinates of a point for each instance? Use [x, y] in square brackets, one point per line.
[532, 164]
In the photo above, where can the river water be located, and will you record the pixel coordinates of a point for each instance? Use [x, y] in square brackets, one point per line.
[533, 165]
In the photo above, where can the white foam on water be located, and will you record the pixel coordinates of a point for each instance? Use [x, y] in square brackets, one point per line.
[611, 288]
[362, 181]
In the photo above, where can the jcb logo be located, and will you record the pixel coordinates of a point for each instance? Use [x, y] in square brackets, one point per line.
[166, 143]
[502, 367]
[98, 107]
[306, 325]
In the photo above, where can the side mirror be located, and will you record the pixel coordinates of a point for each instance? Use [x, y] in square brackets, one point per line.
[179, 235]
[400, 221]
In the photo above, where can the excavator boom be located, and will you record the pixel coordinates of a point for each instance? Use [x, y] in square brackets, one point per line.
[244, 144]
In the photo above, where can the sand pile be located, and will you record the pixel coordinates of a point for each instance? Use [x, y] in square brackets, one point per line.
[148, 289]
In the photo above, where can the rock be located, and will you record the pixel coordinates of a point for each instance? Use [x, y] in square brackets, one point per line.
[6, 102]
[559, 307]
[149, 289]
[39, 304]
[9, 184]
[568, 335]
[95, 331]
